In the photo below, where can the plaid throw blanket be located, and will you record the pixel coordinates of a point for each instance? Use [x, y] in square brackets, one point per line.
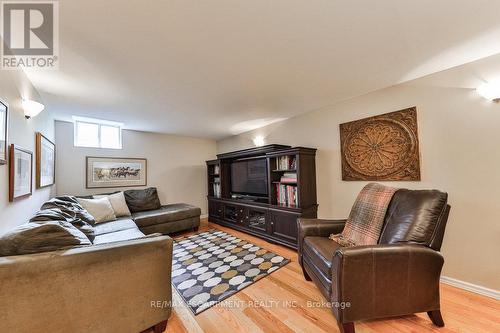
[367, 215]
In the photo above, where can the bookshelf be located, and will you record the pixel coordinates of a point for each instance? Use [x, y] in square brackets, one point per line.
[213, 174]
[291, 174]
[284, 192]
[293, 178]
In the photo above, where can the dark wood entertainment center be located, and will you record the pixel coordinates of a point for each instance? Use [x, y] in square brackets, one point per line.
[273, 217]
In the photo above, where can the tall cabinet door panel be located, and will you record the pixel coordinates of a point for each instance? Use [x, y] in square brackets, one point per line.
[284, 225]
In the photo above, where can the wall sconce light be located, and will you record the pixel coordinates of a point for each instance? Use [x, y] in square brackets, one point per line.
[258, 141]
[32, 108]
[490, 90]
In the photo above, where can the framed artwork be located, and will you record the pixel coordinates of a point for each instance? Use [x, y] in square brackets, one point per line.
[103, 172]
[21, 172]
[4, 126]
[381, 148]
[45, 161]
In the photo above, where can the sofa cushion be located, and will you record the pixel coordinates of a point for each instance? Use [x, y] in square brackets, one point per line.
[56, 214]
[320, 251]
[142, 200]
[114, 226]
[412, 216]
[100, 209]
[118, 203]
[165, 214]
[69, 205]
[41, 237]
[118, 236]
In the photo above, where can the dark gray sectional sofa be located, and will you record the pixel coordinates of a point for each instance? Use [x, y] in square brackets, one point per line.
[148, 217]
[71, 271]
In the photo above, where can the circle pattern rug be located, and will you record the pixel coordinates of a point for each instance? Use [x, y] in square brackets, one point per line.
[209, 267]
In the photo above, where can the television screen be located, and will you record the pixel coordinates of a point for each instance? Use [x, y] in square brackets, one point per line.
[249, 177]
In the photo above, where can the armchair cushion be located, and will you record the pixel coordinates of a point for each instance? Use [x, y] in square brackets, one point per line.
[413, 217]
[320, 251]
[318, 228]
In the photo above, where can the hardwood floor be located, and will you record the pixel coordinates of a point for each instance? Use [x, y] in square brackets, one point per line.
[289, 293]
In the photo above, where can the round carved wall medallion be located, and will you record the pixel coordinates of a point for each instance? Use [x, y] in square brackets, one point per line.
[381, 148]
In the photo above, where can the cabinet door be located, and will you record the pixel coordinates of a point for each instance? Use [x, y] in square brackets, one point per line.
[242, 213]
[219, 209]
[215, 209]
[257, 219]
[234, 214]
[230, 213]
[284, 225]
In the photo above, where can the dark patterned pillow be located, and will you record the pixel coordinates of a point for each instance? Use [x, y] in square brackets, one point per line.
[69, 205]
[57, 214]
[35, 237]
[141, 200]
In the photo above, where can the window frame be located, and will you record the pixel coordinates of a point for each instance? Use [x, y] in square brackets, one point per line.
[99, 123]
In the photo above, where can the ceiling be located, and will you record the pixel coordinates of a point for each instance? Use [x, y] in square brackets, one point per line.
[218, 68]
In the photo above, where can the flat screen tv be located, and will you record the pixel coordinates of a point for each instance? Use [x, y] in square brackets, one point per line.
[249, 177]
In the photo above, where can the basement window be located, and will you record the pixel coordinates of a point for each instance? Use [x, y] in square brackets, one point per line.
[97, 133]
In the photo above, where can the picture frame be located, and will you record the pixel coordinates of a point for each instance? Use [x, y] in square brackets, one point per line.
[109, 172]
[45, 161]
[21, 173]
[4, 129]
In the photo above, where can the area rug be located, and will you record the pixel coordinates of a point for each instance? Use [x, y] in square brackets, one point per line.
[209, 267]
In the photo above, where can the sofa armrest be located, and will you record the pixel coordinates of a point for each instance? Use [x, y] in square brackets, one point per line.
[385, 280]
[116, 287]
[317, 227]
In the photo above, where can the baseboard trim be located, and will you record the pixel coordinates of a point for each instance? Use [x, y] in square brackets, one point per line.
[203, 216]
[471, 287]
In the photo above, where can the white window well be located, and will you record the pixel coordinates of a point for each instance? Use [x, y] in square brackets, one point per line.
[97, 133]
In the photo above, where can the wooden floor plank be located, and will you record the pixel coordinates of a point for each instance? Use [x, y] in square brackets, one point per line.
[462, 311]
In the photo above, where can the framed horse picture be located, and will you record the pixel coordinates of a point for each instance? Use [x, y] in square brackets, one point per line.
[106, 172]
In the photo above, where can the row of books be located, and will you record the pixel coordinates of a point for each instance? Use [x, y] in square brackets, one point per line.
[286, 195]
[289, 178]
[286, 162]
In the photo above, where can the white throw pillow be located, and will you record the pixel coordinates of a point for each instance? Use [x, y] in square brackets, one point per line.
[118, 203]
[100, 209]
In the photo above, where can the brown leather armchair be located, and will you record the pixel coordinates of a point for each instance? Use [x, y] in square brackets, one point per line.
[398, 276]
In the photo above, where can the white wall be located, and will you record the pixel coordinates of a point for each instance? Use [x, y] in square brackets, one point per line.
[176, 164]
[14, 86]
[459, 142]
